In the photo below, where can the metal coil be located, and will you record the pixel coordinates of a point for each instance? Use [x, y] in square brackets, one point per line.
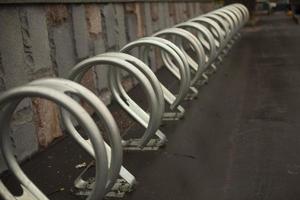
[191, 51]
[10, 99]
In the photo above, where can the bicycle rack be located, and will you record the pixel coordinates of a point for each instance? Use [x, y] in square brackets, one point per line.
[114, 153]
[151, 128]
[197, 67]
[244, 10]
[225, 29]
[234, 17]
[216, 31]
[181, 71]
[170, 65]
[207, 41]
[224, 24]
[210, 38]
[231, 19]
[136, 111]
[238, 15]
[232, 28]
[153, 91]
[10, 99]
[239, 12]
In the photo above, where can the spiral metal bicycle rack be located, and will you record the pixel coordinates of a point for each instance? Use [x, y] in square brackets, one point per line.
[222, 18]
[243, 12]
[231, 24]
[224, 25]
[148, 142]
[181, 36]
[207, 41]
[216, 31]
[9, 101]
[114, 186]
[154, 110]
[209, 37]
[225, 29]
[167, 61]
[171, 66]
[143, 115]
[236, 19]
[144, 45]
[238, 14]
[150, 121]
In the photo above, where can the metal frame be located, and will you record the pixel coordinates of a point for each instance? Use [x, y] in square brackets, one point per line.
[144, 45]
[128, 104]
[180, 36]
[192, 92]
[208, 42]
[114, 153]
[148, 143]
[10, 99]
[209, 36]
[216, 31]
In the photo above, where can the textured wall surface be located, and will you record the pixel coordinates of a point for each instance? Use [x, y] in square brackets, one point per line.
[47, 40]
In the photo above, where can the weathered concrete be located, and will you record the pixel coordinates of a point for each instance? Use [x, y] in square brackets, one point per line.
[2, 83]
[45, 112]
[120, 29]
[11, 45]
[155, 17]
[23, 134]
[185, 11]
[148, 22]
[64, 47]
[139, 11]
[110, 26]
[24, 139]
[204, 7]
[166, 15]
[131, 22]
[94, 20]
[97, 75]
[178, 13]
[149, 30]
[15, 73]
[100, 72]
[171, 14]
[37, 36]
[80, 31]
[161, 13]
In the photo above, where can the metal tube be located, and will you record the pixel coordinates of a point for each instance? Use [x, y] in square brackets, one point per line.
[185, 36]
[81, 68]
[165, 45]
[76, 90]
[9, 101]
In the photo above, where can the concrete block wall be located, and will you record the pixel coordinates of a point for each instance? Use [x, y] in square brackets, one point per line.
[47, 40]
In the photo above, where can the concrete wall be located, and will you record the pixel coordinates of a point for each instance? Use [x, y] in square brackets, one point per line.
[47, 40]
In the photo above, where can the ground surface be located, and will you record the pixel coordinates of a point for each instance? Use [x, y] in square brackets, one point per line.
[239, 140]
